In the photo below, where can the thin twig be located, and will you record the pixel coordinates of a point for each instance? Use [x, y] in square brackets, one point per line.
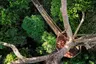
[81, 22]
[87, 35]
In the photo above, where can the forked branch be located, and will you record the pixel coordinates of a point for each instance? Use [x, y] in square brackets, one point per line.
[55, 56]
[21, 58]
[15, 50]
[48, 58]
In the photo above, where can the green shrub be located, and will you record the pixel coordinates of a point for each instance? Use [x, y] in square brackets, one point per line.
[56, 13]
[4, 3]
[34, 26]
[19, 3]
[48, 45]
[47, 5]
[82, 58]
[55, 9]
[24, 52]
[7, 18]
[9, 58]
[11, 16]
[49, 42]
[19, 7]
[13, 11]
[12, 35]
[12, 57]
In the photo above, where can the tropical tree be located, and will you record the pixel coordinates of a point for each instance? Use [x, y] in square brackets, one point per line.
[66, 41]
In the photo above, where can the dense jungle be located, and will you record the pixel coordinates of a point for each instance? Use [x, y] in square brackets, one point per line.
[22, 25]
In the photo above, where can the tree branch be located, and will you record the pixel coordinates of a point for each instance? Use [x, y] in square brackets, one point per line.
[86, 38]
[81, 22]
[21, 58]
[48, 19]
[65, 18]
[15, 50]
[54, 57]
[31, 60]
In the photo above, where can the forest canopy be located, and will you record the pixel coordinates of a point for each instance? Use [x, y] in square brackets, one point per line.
[22, 25]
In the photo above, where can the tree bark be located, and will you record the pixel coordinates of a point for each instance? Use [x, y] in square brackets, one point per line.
[48, 19]
[65, 18]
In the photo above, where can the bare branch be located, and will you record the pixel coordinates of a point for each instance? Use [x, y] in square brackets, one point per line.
[81, 35]
[81, 22]
[48, 58]
[65, 18]
[15, 50]
[88, 41]
[48, 19]
[51, 57]
[86, 38]
[21, 58]
[31, 60]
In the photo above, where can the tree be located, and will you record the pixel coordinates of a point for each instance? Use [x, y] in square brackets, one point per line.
[68, 38]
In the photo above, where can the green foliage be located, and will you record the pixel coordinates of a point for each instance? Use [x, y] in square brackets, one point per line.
[55, 9]
[47, 5]
[9, 58]
[24, 52]
[40, 50]
[91, 62]
[11, 16]
[74, 9]
[12, 35]
[34, 26]
[18, 3]
[82, 58]
[1, 46]
[89, 26]
[19, 7]
[7, 17]
[4, 3]
[12, 13]
[49, 42]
